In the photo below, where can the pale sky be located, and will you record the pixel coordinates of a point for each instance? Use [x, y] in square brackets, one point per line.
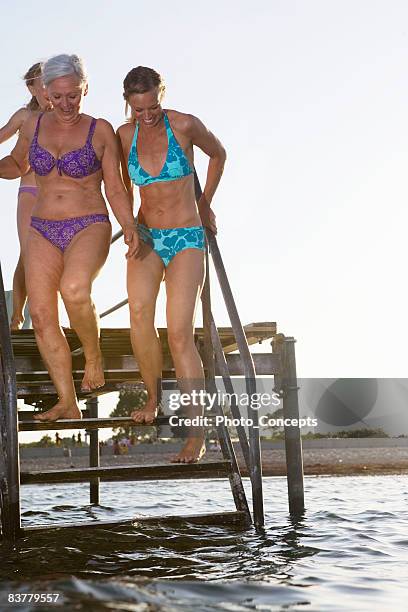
[309, 99]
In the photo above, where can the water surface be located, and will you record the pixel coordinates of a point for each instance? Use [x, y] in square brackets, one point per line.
[348, 552]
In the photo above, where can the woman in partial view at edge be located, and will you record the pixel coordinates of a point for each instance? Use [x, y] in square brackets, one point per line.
[69, 235]
[157, 156]
[28, 190]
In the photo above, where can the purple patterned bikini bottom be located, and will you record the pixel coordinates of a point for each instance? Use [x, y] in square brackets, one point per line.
[61, 232]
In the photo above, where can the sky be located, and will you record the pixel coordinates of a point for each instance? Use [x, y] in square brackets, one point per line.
[309, 99]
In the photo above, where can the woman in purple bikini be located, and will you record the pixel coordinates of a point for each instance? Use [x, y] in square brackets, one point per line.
[69, 235]
[27, 192]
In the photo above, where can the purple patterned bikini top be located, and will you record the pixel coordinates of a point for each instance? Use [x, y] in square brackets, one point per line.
[76, 164]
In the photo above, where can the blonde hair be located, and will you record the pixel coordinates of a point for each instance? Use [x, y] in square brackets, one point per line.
[34, 72]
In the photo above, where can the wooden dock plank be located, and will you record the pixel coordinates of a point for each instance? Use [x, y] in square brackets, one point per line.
[116, 341]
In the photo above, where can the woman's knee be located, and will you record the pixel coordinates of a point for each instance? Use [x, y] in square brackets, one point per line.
[141, 312]
[43, 319]
[75, 292]
[180, 339]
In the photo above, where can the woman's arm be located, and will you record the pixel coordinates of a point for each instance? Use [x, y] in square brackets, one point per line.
[123, 147]
[16, 164]
[209, 144]
[13, 124]
[124, 135]
[116, 193]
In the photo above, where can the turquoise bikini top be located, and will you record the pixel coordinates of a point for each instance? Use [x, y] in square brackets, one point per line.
[175, 167]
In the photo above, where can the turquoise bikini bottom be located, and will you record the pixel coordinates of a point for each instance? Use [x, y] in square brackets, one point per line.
[168, 242]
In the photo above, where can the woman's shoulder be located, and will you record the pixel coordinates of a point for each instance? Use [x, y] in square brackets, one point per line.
[99, 121]
[18, 118]
[181, 121]
[30, 122]
[21, 114]
[102, 126]
[126, 131]
[126, 128]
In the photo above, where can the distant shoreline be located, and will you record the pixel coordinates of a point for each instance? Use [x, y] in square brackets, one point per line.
[321, 461]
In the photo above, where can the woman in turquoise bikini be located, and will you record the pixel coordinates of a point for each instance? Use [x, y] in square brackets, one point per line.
[157, 156]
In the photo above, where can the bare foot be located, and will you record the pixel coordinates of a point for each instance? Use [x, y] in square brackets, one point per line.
[16, 322]
[192, 451]
[147, 414]
[60, 411]
[94, 376]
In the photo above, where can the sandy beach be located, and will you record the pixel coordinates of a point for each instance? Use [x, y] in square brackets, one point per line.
[341, 461]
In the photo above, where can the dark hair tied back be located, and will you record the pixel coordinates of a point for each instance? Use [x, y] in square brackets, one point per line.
[141, 80]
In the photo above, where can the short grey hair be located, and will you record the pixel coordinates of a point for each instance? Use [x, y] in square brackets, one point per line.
[63, 65]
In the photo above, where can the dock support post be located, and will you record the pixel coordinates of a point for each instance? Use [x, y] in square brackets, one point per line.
[293, 442]
[10, 481]
[92, 405]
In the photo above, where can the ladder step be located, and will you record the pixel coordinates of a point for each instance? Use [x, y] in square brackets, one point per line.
[167, 471]
[26, 425]
[217, 518]
[28, 415]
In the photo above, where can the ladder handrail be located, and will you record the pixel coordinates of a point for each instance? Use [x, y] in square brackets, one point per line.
[114, 238]
[249, 369]
[114, 308]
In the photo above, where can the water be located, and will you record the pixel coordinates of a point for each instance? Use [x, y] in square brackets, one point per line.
[349, 551]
